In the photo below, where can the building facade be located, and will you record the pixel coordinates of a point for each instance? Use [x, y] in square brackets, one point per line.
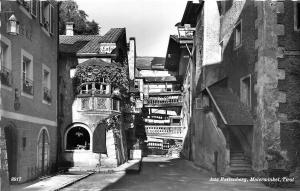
[244, 76]
[84, 140]
[28, 88]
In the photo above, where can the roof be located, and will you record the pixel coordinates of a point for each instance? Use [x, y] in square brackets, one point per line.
[234, 112]
[173, 52]
[88, 43]
[148, 63]
[97, 62]
[190, 13]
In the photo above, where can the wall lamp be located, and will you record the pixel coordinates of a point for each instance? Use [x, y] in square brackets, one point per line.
[13, 24]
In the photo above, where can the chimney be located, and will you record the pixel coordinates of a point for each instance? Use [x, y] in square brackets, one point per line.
[69, 28]
[131, 58]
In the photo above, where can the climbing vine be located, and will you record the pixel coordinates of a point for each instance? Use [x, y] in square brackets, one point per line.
[114, 74]
[113, 123]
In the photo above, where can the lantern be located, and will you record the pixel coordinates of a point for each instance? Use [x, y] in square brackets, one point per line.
[13, 25]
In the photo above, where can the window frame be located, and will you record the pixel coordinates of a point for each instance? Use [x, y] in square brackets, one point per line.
[250, 89]
[239, 23]
[8, 59]
[36, 7]
[48, 83]
[30, 75]
[50, 28]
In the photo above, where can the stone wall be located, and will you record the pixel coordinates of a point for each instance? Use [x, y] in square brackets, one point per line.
[4, 178]
[288, 64]
[268, 97]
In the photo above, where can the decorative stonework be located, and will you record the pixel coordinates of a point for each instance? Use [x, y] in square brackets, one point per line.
[267, 123]
[102, 103]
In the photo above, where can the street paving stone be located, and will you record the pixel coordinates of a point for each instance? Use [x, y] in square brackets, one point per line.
[162, 173]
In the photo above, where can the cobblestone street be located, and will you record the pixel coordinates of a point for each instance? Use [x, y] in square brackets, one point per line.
[162, 173]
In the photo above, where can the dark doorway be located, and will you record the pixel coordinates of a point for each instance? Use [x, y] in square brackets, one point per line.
[78, 138]
[11, 146]
[43, 152]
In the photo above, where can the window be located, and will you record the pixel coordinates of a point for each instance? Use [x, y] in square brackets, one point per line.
[46, 16]
[94, 88]
[34, 7]
[5, 60]
[30, 6]
[176, 121]
[27, 73]
[238, 35]
[245, 91]
[25, 4]
[115, 105]
[297, 16]
[46, 84]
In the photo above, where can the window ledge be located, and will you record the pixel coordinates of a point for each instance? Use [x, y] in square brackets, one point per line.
[26, 95]
[6, 87]
[27, 13]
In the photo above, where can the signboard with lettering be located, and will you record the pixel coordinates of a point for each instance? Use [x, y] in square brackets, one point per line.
[107, 48]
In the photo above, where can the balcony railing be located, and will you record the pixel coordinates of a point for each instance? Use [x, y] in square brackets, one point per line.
[158, 145]
[5, 76]
[168, 131]
[28, 86]
[47, 95]
[164, 100]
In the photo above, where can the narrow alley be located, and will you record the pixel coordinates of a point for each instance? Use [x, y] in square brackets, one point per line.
[163, 173]
[149, 95]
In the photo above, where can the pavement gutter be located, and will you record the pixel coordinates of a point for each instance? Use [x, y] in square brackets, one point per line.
[73, 181]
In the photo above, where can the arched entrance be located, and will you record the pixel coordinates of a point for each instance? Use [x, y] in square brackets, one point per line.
[77, 138]
[11, 136]
[43, 151]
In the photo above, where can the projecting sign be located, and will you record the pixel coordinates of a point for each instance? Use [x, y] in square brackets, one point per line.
[107, 48]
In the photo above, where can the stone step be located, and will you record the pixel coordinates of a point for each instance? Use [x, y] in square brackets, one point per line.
[239, 158]
[240, 175]
[240, 165]
[237, 154]
[240, 169]
[240, 161]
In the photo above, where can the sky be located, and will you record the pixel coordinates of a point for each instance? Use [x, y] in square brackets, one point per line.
[149, 21]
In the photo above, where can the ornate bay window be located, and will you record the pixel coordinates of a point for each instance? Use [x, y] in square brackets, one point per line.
[99, 86]
[94, 88]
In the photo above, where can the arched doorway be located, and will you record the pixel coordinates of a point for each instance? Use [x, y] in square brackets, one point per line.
[78, 138]
[43, 151]
[11, 136]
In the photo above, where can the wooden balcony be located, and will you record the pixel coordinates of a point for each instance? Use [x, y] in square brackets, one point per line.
[164, 131]
[164, 101]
